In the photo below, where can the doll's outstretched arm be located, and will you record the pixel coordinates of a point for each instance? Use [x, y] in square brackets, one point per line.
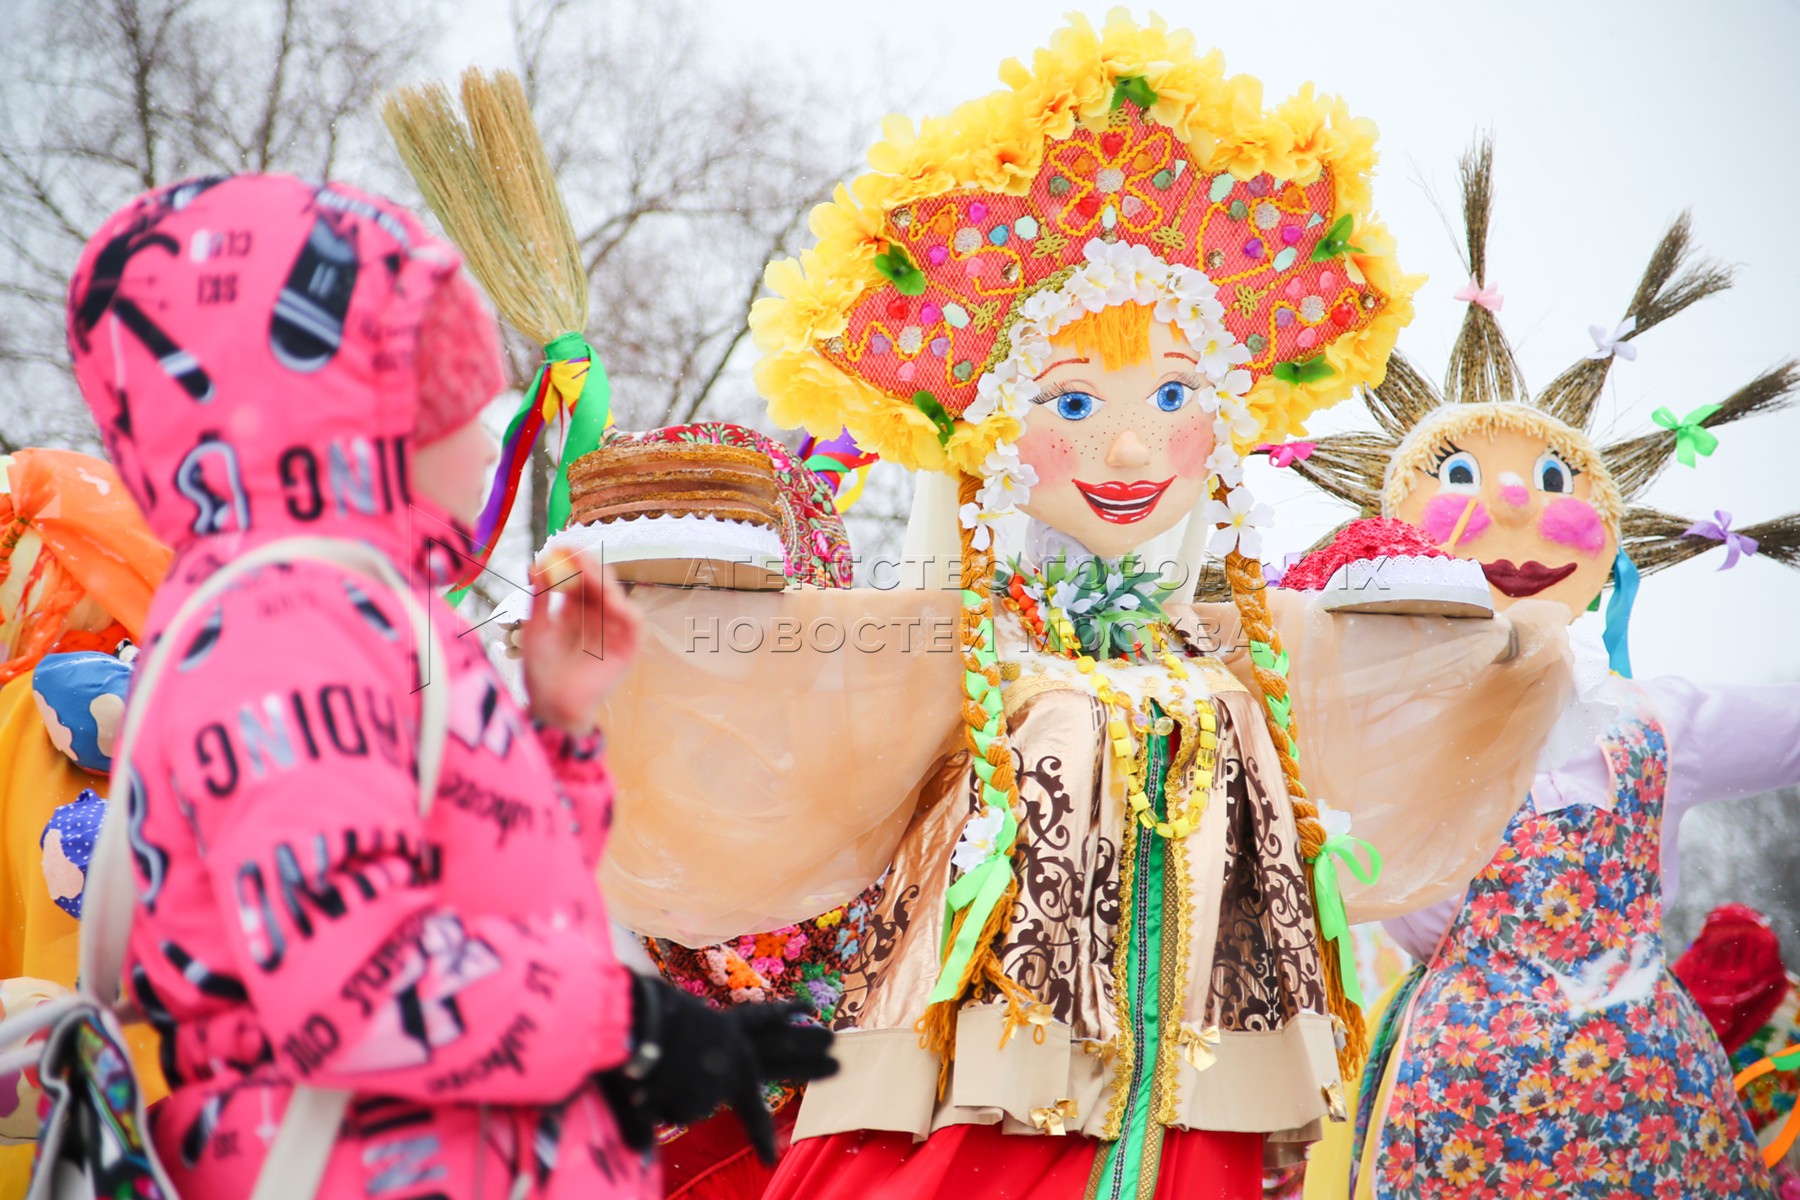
[766, 747]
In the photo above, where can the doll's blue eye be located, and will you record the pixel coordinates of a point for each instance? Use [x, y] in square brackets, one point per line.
[1171, 396]
[1076, 406]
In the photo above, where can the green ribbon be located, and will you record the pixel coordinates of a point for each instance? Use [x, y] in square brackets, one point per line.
[897, 266]
[1336, 240]
[1281, 710]
[1134, 88]
[1691, 437]
[1264, 656]
[1304, 370]
[1334, 923]
[587, 420]
[979, 889]
[940, 416]
[1787, 1060]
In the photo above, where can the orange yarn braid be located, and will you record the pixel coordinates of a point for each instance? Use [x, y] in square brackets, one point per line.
[1247, 588]
[984, 974]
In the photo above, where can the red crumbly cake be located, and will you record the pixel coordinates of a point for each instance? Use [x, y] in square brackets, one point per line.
[1383, 565]
[626, 480]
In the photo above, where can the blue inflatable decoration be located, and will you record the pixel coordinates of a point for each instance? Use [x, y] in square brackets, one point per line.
[82, 698]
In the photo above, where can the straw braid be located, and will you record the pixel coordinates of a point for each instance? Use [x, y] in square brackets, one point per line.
[984, 974]
[1344, 464]
[1656, 540]
[1571, 396]
[1402, 399]
[1247, 589]
[1482, 367]
[1636, 462]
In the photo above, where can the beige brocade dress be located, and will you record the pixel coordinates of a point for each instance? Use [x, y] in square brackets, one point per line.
[797, 779]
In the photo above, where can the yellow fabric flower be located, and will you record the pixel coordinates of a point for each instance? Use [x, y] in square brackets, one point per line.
[970, 445]
[808, 303]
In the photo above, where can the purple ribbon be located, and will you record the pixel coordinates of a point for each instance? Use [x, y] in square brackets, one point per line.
[1719, 530]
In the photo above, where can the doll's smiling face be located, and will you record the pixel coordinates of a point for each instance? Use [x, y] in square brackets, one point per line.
[1511, 502]
[1120, 454]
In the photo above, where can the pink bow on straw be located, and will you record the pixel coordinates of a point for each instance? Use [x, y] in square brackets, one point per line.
[1720, 531]
[1286, 454]
[1488, 297]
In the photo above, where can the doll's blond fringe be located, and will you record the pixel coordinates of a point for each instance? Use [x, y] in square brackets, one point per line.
[985, 975]
[1247, 588]
[491, 185]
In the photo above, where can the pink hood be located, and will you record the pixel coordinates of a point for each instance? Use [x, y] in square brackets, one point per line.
[247, 346]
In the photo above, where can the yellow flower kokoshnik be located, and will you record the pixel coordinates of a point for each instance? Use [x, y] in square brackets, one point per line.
[1126, 134]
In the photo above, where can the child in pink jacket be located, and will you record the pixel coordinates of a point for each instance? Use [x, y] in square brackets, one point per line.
[268, 358]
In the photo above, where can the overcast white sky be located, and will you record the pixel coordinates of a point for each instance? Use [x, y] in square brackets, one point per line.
[1609, 119]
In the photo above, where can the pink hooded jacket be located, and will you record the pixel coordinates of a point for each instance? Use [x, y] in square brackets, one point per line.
[247, 346]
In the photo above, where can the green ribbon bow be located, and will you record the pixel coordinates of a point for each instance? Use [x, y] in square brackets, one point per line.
[1134, 88]
[1304, 370]
[1334, 923]
[940, 416]
[1336, 240]
[1691, 437]
[898, 267]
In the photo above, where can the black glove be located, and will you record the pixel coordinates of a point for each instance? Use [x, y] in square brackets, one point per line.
[688, 1059]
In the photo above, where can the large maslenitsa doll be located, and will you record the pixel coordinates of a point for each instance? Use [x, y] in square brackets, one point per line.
[1098, 961]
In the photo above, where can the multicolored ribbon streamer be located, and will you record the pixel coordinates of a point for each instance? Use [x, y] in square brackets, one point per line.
[1691, 437]
[1334, 923]
[570, 385]
[841, 463]
[1719, 530]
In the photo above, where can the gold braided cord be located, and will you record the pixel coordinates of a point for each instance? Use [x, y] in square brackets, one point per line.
[1247, 589]
[984, 975]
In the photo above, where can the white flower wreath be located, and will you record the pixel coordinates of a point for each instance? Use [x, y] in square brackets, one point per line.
[1114, 273]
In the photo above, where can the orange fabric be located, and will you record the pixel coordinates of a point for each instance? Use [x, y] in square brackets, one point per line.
[97, 544]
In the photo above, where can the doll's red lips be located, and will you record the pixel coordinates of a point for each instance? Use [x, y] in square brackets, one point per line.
[1526, 579]
[1123, 503]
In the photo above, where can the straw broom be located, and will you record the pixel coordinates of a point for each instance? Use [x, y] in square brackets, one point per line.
[485, 174]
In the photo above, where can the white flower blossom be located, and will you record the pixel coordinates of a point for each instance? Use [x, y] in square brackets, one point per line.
[1238, 521]
[1224, 461]
[973, 518]
[980, 839]
[1239, 418]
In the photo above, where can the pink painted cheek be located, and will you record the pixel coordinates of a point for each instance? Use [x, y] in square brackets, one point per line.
[1572, 522]
[1053, 455]
[1190, 447]
[1443, 511]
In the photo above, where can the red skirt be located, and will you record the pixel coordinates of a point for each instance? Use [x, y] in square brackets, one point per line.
[712, 1160]
[978, 1162]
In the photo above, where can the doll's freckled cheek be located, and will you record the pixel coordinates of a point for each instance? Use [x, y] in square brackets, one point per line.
[1572, 522]
[1189, 448]
[1442, 512]
[1052, 454]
